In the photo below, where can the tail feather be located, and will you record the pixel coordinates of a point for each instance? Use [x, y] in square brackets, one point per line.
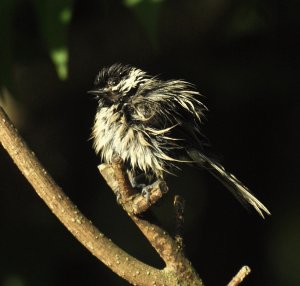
[236, 187]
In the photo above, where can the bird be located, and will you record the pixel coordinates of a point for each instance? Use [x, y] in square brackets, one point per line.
[154, 126]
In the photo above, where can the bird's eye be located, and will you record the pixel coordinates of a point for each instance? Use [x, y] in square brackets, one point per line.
[112, 82]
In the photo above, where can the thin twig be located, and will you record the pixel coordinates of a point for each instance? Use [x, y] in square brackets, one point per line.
[179, 205]
[240, 276]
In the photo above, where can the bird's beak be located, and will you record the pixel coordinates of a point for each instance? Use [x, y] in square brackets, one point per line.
[96, 92]
[106, 94]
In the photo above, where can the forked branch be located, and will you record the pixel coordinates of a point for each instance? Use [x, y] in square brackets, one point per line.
[178, 270]
[122, 263]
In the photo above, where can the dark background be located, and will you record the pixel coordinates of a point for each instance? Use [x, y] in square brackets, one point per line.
[242, 56]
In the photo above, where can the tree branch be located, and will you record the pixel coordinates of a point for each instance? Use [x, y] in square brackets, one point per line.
[178, 269]
[123, 264]
[167, 247]
[95, 241]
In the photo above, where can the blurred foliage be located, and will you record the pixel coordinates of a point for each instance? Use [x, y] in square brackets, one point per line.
[6, 7]
[53, 17]
[248, 18]
[147, 12]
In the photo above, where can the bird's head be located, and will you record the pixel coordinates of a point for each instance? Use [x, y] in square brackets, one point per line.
[115, 84]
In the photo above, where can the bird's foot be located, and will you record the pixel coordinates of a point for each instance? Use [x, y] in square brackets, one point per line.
[146, 192]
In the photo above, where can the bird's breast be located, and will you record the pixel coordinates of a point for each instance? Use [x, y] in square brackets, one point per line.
[114, 137]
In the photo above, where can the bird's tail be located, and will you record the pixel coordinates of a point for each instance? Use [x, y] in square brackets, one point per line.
[236, 187]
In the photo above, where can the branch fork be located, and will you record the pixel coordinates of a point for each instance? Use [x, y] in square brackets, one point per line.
[132, 201]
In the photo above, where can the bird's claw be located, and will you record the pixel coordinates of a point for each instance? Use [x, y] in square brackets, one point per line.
[146, 193]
